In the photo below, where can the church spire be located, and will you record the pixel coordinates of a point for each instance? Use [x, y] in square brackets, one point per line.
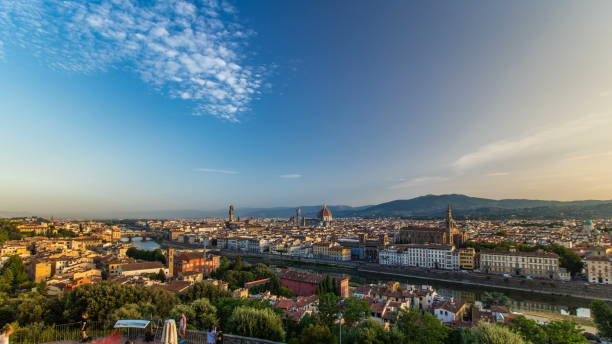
[450, 225]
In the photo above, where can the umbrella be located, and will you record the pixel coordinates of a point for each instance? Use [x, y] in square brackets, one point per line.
[169, 332]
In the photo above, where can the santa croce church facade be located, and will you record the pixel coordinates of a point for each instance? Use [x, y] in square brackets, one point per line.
[447, 234]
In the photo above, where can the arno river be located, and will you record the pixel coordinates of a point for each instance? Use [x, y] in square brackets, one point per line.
[142, 244]
[520, 300]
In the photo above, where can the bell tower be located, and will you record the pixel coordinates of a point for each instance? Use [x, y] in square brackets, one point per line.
[232, 214]
[451, 228]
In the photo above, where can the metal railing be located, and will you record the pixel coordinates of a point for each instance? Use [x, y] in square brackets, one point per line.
[66, 333]
[40, 333]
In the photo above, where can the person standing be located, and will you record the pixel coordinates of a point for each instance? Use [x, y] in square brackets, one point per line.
[84, 326]
[219, 337]
[182, 325]
[7, 331]
[211, 337]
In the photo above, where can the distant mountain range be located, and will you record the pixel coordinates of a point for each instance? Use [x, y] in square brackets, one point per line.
[429, 206]
[474, 207]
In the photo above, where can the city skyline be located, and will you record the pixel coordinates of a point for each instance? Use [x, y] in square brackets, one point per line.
[111, 107]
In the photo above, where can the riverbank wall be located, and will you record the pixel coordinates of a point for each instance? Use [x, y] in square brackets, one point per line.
[550, 287]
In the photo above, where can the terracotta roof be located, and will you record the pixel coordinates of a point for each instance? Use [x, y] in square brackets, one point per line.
[175, 286]
[451, 307]
[324, 212]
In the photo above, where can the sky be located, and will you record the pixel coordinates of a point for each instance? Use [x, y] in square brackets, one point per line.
[115, 105]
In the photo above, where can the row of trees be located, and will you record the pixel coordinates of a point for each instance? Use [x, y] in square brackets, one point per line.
[9, 231]
[13, 276]
[151, 256]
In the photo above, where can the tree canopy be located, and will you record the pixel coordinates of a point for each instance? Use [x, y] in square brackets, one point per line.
[421, 327]
[152, 256]
[258, 323]
[602, 314]
[486, 333]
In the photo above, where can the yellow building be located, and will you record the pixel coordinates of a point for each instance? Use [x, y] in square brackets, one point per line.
[339, 253]
[241, 293]
[331, 252]
[11, 248]
[39, 270]
[599, 267]
[468, 258]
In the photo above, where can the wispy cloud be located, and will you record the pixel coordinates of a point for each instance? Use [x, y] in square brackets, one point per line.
[213, 170]
[497, 174]
[542, 141]
[291, 176]
[187, 50]
[420, 181]
[599, 155]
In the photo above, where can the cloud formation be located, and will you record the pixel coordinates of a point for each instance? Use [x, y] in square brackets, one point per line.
[213, 170]
[547, 140]
[420, 181]
[186, 50]
[291, 176]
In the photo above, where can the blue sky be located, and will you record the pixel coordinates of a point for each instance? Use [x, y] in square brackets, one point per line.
[115, 105]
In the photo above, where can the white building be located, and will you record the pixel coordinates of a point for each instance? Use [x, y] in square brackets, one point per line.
[425, 256]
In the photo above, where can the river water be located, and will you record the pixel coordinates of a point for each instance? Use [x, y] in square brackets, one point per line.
[520, 300]
[141, 244]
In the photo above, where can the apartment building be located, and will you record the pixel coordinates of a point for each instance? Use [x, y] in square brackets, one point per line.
[468, 258]
[425, 256]
[599, 267]
[331, 252]
[538, 264]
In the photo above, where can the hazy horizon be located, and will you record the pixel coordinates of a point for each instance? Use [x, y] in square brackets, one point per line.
[176, 105]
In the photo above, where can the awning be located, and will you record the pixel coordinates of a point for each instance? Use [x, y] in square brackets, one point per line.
[132, 323]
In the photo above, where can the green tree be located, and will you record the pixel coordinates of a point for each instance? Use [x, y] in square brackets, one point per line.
[486, 333]
[564, 332]
[31, 309]
[13, 275]
[152, 256]
[238, 265]
[203, 290]
[227, 305]
[258, 323]
[9, 231]
[567, 258]
[205, 314]
[495, 298]
[100, 299]
[327, 285]
[371, 332]
[328, 308]
[602, 314]
[355, 310]
[529, 329]
[127, 311]
[421, 328]
[318, 334]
